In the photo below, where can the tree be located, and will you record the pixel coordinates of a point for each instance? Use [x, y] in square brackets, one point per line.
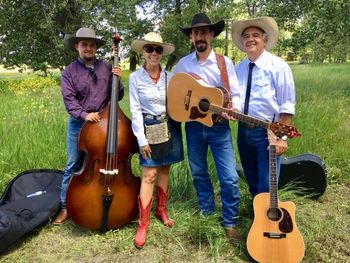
[322, 26]
[31, 32]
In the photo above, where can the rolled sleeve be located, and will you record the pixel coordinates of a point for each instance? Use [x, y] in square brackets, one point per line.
[234, 84]
[286, 90]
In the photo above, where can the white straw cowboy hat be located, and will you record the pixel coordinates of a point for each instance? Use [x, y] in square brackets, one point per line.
[83, 33]
[201, 20]
[267, 24]
[152, 39]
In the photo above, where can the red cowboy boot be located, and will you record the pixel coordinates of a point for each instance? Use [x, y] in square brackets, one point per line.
[161, 212]
[144, 221]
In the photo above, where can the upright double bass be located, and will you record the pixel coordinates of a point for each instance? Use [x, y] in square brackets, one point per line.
[103, 194]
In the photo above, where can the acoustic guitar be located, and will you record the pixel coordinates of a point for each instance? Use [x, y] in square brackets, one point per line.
[189, 98]
[274, 236]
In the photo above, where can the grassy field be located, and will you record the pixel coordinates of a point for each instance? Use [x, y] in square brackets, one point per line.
[33, 135]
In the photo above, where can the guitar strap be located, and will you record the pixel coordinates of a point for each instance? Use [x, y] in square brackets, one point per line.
[224, 76]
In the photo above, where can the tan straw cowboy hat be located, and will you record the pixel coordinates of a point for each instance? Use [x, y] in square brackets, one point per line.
[267, 24]
[83, 33]
[152, 39]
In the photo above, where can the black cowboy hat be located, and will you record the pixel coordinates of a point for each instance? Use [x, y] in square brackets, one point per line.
[200, 20]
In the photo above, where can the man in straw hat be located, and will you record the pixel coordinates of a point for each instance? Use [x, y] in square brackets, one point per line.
[268, 93]
[203, 62]
[86, 87]
[147, 88]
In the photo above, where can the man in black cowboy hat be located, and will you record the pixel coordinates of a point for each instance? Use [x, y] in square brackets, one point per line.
[203, 62]
[86, 87]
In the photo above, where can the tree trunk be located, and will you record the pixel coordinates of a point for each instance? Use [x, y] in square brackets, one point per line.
[133, 63]
[171, 62]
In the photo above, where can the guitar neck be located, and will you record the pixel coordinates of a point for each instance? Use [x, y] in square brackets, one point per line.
[240, 116]
[273, 177]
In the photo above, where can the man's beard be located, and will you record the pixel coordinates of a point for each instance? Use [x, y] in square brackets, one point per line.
[201, 45]
[86, 58]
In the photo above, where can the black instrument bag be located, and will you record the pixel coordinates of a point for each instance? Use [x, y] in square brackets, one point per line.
[29, 201]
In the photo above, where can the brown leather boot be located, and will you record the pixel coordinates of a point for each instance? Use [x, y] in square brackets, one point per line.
[232, 234]
[62, 217]
[144, 221]
[161, 212]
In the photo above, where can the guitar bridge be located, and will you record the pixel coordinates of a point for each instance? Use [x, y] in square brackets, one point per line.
[274, 235]
[187, 99]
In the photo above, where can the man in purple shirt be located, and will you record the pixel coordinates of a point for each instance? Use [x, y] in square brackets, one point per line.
[86, 90]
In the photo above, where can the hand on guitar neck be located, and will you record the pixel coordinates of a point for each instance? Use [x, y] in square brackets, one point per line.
[228, 115]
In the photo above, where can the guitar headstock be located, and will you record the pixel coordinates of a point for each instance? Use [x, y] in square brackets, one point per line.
[281, 129]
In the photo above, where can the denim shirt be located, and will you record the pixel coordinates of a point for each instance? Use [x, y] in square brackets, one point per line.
[86, 90]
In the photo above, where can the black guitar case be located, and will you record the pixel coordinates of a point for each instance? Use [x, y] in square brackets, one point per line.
[29, 201]
[306, 172]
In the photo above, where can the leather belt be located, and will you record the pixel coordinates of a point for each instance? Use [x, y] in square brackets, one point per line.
[161, 117]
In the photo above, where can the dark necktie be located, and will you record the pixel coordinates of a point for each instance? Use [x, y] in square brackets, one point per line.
[93, 74]
[249, 86]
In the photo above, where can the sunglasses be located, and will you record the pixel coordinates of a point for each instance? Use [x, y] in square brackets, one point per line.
[150, 49]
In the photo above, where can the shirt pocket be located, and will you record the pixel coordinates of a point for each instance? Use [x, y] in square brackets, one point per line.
[103, 80]
[264, 88]
[82, 90]
[82, 87]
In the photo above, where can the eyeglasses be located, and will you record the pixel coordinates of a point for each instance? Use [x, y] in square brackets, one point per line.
[150, 49]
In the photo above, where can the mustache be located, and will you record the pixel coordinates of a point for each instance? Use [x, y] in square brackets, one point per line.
[200, 42]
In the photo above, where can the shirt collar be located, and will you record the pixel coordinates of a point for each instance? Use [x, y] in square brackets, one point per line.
[261, 60]
[211, 57]
[145, 73]
[81, 62]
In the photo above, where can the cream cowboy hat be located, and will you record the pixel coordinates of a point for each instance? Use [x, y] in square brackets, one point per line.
[201, 20]
[83, 33]
[152, 39]
[267, 24]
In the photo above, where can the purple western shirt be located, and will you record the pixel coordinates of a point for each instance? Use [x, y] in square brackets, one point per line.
[87, 90]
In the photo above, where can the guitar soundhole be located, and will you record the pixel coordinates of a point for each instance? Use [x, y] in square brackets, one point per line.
[274, 214]
[204, 105]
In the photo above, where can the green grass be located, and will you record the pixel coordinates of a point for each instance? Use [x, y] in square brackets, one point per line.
[33, 135]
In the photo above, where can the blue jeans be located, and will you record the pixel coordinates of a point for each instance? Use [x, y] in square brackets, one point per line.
[253, 149]
[75, 157]
[219, 138]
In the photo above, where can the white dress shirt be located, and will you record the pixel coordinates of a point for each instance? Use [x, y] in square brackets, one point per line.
[146, 97]
[210, 73]
[272, 90]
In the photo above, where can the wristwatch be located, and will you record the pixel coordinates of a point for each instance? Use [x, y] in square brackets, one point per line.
[284, 138]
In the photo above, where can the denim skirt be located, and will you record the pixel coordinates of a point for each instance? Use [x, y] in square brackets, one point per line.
[174, 151]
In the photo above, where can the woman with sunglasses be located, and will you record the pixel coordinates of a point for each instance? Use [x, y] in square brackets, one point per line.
[147, 88]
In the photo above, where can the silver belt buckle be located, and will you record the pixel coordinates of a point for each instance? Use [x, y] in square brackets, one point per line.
[162, 117]
[148, 116]
[158, 118]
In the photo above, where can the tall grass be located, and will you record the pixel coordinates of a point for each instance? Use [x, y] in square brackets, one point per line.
[33, 124]
[323, 115]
